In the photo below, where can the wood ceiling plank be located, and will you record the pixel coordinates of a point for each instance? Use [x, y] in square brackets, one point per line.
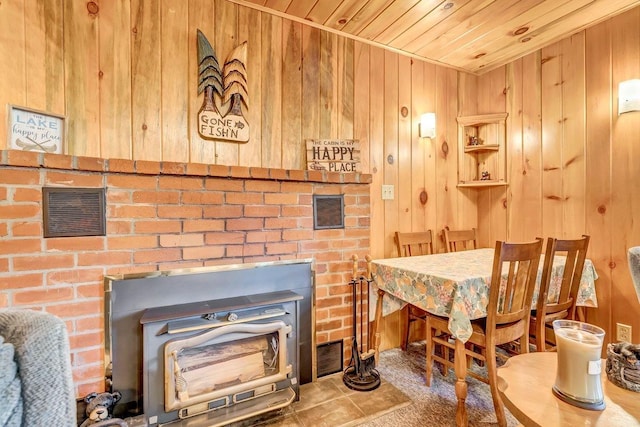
[425, 29]
[492, 40]
[344, 13]
[258, 2]
[459, 18]
[598, 10]
[366, 15]
[279, 5]
[322, 11]
[300, 8]
[410, 18]
[478, 26]
[427, 22]
[386, 18]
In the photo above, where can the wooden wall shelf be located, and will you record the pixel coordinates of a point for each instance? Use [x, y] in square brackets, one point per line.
[482, 150]
[486, 183]
[484, 147]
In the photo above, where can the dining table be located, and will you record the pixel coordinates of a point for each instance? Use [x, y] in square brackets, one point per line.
[455, 285]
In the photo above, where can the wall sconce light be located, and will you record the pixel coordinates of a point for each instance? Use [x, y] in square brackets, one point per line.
[629, 96]
[427, 125]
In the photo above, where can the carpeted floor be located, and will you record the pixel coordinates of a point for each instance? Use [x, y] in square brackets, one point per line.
[433, 406]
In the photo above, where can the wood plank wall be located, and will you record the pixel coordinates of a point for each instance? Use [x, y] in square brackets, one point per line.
[572, 159]
[124, 73]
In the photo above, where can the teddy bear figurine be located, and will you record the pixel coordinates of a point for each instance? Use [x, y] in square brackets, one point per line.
[99, 408]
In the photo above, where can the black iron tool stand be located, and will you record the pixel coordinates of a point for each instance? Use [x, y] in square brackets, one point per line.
[361, 374]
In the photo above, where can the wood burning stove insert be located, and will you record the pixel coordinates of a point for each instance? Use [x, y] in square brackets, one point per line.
[130, 297]
[217, 362]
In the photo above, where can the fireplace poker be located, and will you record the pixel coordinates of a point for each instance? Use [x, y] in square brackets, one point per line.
[361, 374]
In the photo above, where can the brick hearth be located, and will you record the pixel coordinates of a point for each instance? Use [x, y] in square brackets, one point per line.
[163, 216]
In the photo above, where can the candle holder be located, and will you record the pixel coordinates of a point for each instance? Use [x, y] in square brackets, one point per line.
[578, 376]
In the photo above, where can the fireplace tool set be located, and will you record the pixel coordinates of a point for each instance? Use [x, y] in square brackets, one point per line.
[361, 374]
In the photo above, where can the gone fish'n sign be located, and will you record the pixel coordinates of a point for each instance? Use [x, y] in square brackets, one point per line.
[227, 85]
[333, 155]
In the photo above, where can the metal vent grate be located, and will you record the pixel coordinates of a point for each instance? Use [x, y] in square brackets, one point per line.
[328, 211]
[330, 358]
[69, 212]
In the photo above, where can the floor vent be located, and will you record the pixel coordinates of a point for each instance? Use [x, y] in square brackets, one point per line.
[330, 358]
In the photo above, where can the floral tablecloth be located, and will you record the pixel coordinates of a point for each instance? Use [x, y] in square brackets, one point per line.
[456, 285]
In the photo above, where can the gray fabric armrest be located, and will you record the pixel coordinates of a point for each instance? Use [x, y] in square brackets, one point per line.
[44, 366]
[634, 267]
[11, 406]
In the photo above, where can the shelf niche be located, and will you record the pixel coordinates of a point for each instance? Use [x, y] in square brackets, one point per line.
[482, 148]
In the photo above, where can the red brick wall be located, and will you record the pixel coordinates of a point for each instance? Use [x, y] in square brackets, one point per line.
[161, 216]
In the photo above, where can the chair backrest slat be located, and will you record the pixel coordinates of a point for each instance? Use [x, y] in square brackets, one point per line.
[510, 297]
[459, 240]
[575, 253]
[414, 243]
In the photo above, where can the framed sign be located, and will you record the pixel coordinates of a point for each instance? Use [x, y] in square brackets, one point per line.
[333, 155]
[31, 130]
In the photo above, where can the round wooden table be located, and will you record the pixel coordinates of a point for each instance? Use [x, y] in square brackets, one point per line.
[525, 382]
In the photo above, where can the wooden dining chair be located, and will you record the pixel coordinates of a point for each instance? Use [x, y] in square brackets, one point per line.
[459, 240]
[413, 244]
[562, 303]
[513, 279]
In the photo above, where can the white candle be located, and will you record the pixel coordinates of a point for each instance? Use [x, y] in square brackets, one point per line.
[579, 363]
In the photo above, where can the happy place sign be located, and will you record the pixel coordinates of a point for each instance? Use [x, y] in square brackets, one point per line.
[333, 155]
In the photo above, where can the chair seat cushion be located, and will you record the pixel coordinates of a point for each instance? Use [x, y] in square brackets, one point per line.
[11, 405]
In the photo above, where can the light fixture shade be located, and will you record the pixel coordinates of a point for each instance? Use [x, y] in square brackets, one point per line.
[629, 96]
[427, 128]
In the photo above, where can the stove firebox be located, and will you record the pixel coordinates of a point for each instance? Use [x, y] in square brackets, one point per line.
[216, 362]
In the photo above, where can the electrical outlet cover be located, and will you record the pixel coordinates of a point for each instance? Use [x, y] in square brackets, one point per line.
[623, 332]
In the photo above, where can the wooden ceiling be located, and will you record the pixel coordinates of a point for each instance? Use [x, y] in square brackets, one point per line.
[470, 35]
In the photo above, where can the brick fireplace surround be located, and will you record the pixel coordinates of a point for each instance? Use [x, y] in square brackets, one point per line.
[163, 216]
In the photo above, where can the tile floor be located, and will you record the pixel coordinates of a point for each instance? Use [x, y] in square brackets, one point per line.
[328, 402]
